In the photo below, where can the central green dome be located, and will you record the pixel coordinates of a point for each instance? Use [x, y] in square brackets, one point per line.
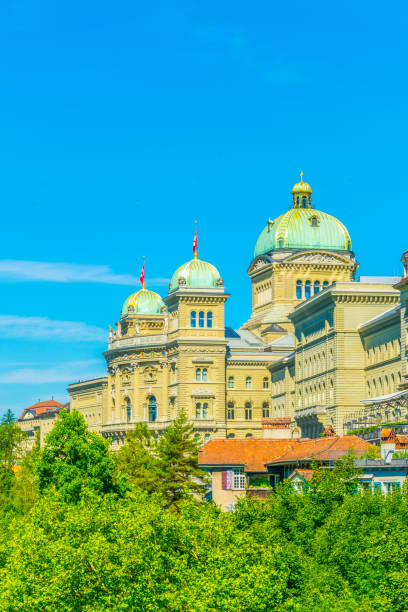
[303, 227]
[196, 274]
[144, 302]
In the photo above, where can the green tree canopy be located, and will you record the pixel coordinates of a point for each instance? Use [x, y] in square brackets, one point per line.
[74, 459]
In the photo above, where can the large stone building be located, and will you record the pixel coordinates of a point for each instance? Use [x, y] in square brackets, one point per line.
[312, 348]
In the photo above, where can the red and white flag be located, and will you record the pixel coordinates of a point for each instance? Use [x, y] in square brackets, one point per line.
[142, 276]
[195, 244]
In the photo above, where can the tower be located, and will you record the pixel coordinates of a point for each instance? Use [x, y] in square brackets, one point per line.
[298, 254]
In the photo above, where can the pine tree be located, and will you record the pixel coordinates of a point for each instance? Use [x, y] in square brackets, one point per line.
[179, 475]
[137, 458]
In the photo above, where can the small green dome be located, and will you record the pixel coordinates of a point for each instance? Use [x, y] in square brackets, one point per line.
[303, 228]
[196, 274]
[143, 302]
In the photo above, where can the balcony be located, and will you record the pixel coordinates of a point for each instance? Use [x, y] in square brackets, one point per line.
[305, 413]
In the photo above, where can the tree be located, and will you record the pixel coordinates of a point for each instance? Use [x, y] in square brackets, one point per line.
[137, 458]
[178, 470]
[11, 441]
[75, 459]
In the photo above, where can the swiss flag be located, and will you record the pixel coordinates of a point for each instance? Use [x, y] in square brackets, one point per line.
[195, 244]
[142, 275]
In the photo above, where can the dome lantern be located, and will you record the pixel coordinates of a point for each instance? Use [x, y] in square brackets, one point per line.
[302, 194]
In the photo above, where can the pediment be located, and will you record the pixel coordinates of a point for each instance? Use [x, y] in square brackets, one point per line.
[318, 257]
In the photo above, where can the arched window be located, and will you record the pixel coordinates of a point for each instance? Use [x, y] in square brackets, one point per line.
[128, 411]
[230, 382]
[325, 284]
[248, 411]
[201, 319]
[280, 243]
[198, 411]
[316, 287]
[266, 382]
[231, 435]
[209, 320]
[204, 375]
[198, 374]
[248, 382]
[206, 437]
[297, 201]
[304, 202]
[193, 319]
[265, 410]
[314, 221]
[205, 411]
[248, 435]
[299, 290]
[307, 289]
[230, 411]
[197, 437]
[152, 409]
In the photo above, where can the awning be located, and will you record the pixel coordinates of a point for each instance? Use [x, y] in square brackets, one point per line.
[385, 398]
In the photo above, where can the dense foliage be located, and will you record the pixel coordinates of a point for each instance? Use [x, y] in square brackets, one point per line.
[136, 536]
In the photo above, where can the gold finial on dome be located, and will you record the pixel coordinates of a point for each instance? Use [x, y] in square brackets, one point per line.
[302, 194]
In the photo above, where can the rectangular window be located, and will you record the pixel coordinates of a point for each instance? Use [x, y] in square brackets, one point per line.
[239, 479]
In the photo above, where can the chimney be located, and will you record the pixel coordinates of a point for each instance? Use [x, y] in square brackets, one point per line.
[388, 438]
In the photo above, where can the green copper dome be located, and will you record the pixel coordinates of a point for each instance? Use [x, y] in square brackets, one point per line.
[143, 302]
[303, 227]
[196, 274]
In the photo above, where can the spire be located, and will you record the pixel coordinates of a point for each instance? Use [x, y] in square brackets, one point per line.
[302, 194]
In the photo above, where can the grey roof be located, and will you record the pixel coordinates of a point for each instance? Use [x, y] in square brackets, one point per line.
[286, 341]
[387, 280]
[244, 339]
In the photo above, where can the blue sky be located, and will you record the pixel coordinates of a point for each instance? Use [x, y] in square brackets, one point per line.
[124, 122]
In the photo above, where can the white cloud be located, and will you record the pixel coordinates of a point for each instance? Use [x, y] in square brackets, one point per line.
[42, 328]
[16, 270]
[68, 372]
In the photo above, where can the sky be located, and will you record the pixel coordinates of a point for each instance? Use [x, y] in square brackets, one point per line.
[123, 123]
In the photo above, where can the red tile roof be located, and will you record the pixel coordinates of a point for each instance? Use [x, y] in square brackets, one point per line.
[323, 449]
[250, 453]
[41, 407]
[306, 474]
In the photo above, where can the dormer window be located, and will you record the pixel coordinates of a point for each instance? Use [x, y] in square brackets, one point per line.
[314, 221]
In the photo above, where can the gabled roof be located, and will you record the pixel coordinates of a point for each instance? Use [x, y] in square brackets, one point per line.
[304, 474]
[322, 449]
[40, 408]
[251, 454]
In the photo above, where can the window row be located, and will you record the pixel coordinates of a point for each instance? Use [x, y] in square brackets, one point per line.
[151, 406]
[382, 386]
[316, 394]
[305, 290]
[204, 319]
[385, 351]
[248, 382]
[248, 411]
[317, 363]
